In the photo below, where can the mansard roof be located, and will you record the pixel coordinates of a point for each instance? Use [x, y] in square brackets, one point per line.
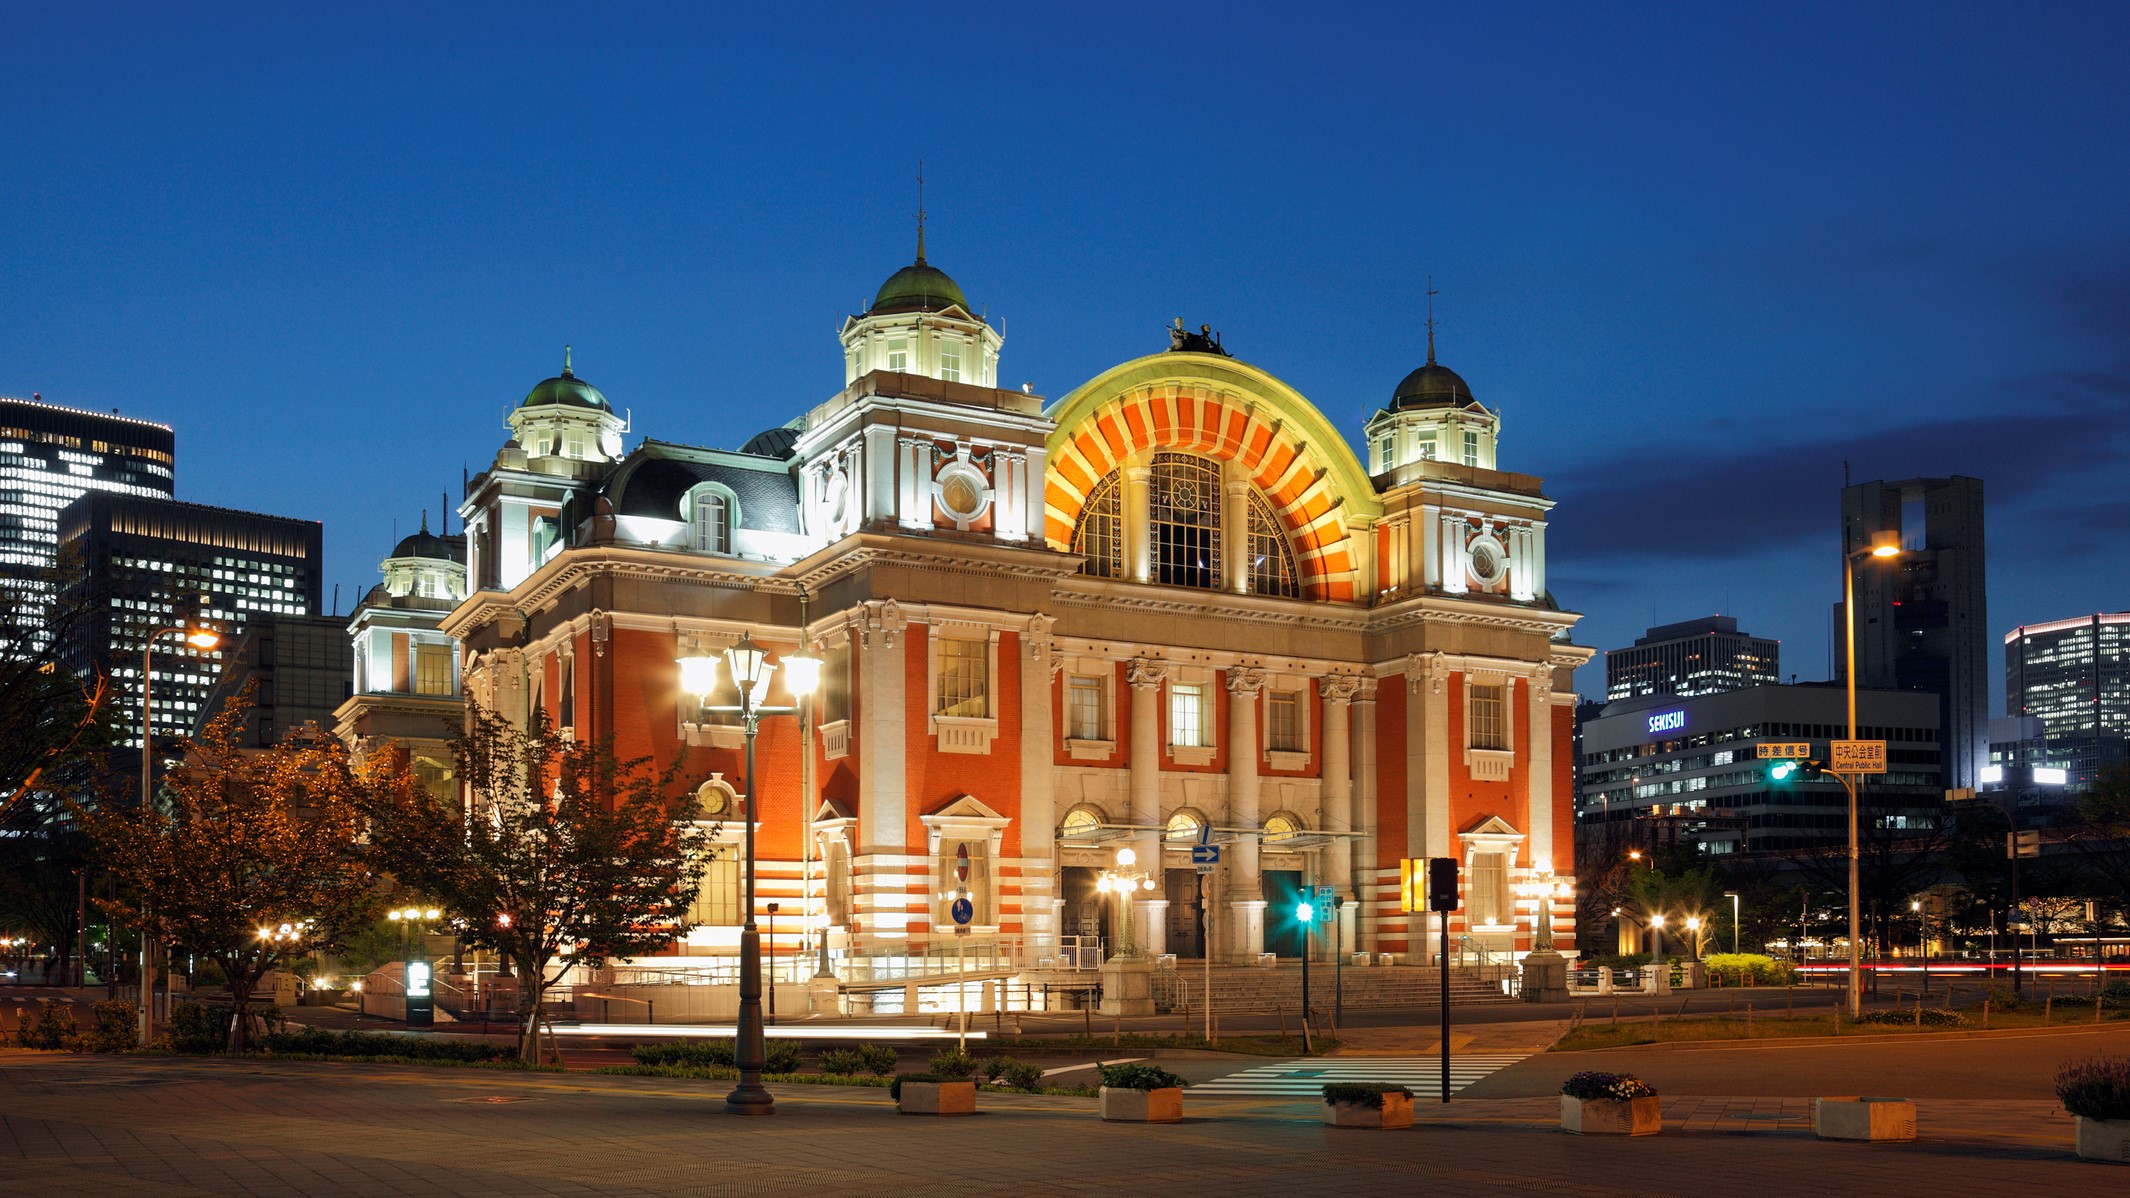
[652, 480]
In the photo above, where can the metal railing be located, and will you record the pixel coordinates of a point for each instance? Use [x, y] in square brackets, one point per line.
[938, 958]
[1494, 968]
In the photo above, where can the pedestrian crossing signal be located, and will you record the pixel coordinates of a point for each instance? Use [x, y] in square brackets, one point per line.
[1442, 883]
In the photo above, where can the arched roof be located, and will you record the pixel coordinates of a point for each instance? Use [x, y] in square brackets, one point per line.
[1226, 409]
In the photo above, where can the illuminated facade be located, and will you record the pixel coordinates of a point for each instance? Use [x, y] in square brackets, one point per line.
[406, 686]
[2074, 677]
[1171, 605]
[1695, 657]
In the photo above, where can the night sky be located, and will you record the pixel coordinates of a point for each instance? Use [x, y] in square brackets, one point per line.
[1696, 258]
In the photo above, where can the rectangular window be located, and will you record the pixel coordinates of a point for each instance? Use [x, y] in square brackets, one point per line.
[432, 669]
[717, 904]
[950, 361]
[1471, 448]
[1489, 728]
[836, 684]
[1383, 460]
[1084, 708]
[1488, 897]
[710, 527]
[898, 354]
[1425, 444]
[1283, 722]
[963, 670]
[1187, 715]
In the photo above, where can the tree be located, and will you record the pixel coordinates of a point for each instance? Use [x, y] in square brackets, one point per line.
[559, 856]
[250, 858]
[1901, 846]
[2100, 839]
[52, 722]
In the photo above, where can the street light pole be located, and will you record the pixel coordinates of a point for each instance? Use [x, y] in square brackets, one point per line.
[1881, 547]
[198, 638]
[1307, 914]
[772, 934]
[1733, 896]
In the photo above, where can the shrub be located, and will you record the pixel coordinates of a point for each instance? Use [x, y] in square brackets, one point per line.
[2115, 996]
[1022, 1075]
[2096, 1088]
[1139, 1077]
[198, 1027]
[878, 1059]
[2001, 997]
[1747, 969]
[953, 1063]
[1897, 1017]
[782, 1056]
[993, 1068]
[699, 1054]
[895, 1087]
[319, 1042]
[842, 1060]
[1617, 1086]
[1360, 1094]
[53, 1029]
[117, 1029]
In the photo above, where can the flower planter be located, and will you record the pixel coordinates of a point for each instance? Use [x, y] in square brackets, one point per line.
[1853, 1118]
[937, 1098]
[1611, 1116]
[1396, 1112]
[1142, 1106]
[2104, 1140]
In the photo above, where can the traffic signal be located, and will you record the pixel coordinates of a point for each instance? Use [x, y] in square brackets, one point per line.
[1442, 883]
[1795, 769]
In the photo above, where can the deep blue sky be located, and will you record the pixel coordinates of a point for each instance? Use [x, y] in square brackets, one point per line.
[1696, 257]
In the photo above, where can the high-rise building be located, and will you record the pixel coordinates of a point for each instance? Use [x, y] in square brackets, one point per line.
[142, 559]
[49, 457]
[295, 669]
[1694, 657]
[2073, 676]
[1922, 618]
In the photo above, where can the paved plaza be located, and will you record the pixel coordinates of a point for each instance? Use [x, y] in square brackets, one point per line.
[112, 1127]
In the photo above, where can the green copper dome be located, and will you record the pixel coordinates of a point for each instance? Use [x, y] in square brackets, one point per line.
[566, 388]
[918, 287]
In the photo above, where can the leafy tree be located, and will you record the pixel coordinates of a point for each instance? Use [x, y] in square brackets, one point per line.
[2100, 840]
[560, 856]
[250, 859]
[1901, 850]
[53, 723]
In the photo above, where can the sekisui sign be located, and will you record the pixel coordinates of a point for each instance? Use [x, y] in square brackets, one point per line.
[1667, 721]
[1856, 756]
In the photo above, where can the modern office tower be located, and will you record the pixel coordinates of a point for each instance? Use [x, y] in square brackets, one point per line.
[49, 457]
[296, 670]
[2073, 676]
[1694, 657]
[1922, 618]
[142, 559]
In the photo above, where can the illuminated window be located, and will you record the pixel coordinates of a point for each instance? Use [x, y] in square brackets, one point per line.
[1487, 717]
[898, 354]
[711, 530]
[1425, 443]
[432, 669]
[1183, 511]
[1283, 721]
[1281, 828]
[1080, 821]
[1182, 828]
[978, 885]
[1271, 560]
[1084, 708]
[1100, 533]
[963, 666]
[1471, 448]
[717, 903]
[1487, 896]
[1187, 715]
[950, 361]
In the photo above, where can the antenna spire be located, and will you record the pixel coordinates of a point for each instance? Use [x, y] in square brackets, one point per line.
[920, 212]
[565, 360]
[1431, 320]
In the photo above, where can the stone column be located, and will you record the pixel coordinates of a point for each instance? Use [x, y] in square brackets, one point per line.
[1246, 885]
[1235, 536]
[1138, 524]
[1366, 821]
[1538, 824]
[1038, 822]
[1337, 692]
[1145, 676]
[881, 868]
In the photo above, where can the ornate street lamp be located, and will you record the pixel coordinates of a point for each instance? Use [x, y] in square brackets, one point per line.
[1122, 882]
[750, 668]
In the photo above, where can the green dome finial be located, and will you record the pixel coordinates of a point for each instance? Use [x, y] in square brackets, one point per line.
[565, 362]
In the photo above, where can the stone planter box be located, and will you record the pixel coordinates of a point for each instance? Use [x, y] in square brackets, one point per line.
[1854, 1118]
[937, 1098]
[1611, 1117]
[2104, 1140]
[1142, 1106]
[1396, 1112]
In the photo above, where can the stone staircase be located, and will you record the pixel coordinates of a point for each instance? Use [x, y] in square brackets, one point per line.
[1253, 990]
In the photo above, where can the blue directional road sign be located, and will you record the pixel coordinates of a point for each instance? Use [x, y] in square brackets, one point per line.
[1205, 854]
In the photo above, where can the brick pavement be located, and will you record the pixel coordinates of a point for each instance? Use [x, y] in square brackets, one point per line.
[119, 1127]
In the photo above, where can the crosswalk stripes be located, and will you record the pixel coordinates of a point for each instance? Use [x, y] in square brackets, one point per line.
[1306, 1078]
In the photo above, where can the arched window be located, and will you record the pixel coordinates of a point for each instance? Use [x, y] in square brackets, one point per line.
[710, 523]
[1281, 828]
[1100, 534]
[1183, 509]
[1081, 822]
[1183, 828]
[1271, 560]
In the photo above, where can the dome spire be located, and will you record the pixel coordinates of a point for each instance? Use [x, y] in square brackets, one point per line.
[566, 374]
[920, 212]
[1431, 320]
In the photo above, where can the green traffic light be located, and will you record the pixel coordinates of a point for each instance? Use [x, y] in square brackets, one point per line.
[1782, 770]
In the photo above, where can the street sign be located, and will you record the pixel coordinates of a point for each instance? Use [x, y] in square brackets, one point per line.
[961, 862]
[1787, 750]
[1325, 908]
[963, 911]
[1857, 756]
[2022, 844]
[1960, 794]
[1203, 870]
[1205, 854]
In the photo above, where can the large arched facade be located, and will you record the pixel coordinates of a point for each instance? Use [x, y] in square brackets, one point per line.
[1215, 408]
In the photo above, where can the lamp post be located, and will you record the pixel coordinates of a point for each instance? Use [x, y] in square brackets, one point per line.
[1122, 882]
[750, 668]
[1656, 939]
[1305, 912]
[1338, 968]
[1922, 938]
[1733, 896]
[1693, 928]
[1883, 545]
[771, 936]
[201, 638]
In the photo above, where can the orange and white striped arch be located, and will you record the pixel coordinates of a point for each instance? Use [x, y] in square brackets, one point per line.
[1224, 409]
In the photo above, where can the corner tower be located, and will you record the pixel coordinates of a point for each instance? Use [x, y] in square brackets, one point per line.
[920, 323]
